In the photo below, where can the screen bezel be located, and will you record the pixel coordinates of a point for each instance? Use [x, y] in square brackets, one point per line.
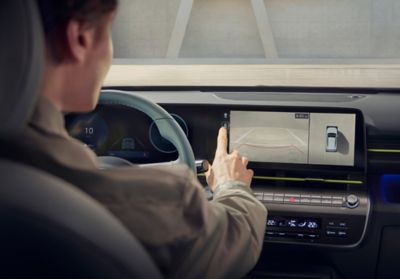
[359, 145]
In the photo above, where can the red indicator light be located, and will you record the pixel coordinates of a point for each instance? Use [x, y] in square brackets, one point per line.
[292, 199]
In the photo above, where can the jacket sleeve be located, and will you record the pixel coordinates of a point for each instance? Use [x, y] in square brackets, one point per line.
[187, 236]
[228, 234]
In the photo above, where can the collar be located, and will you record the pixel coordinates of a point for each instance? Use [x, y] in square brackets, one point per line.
[47, 118]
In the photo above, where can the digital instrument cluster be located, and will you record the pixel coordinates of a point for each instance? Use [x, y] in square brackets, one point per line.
[123, 132]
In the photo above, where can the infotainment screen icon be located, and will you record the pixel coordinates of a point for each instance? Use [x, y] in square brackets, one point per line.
[331, 138]
[294, 137]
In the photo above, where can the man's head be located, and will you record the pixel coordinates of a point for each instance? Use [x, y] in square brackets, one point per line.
[78, 50]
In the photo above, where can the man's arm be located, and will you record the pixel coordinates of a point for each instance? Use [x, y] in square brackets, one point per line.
[227, 233]
[188, 236]
[231, 235]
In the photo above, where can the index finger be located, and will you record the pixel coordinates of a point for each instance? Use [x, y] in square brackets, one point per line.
[222, 142]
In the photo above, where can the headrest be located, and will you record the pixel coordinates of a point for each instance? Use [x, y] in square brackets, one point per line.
[21, 63]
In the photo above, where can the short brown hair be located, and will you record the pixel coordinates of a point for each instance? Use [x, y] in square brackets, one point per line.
[56, 14]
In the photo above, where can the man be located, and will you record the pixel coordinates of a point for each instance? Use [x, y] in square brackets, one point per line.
[166, 209]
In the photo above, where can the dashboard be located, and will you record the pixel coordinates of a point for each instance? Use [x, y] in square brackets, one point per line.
[321, 161]
[292, 137]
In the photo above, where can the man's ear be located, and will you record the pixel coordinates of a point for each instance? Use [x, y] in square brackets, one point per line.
[79, 40]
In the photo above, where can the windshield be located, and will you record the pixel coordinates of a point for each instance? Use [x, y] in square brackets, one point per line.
[350, 43]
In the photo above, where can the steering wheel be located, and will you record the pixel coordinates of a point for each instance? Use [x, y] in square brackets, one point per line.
[166, 124]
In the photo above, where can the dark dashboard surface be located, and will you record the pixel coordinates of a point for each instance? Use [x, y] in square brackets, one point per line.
[124, 132]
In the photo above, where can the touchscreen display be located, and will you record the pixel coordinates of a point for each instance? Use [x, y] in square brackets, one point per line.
[294, 137]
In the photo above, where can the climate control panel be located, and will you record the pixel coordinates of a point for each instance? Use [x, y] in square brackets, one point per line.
[316, 218]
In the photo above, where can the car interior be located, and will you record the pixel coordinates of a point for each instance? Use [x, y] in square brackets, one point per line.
[325, 154]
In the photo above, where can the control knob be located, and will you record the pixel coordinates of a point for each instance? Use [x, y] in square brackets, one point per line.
[352, 201]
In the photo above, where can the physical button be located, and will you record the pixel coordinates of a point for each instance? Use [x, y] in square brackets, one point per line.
[305, 200]
[326, 202]
[315, 201]
[292, 195]
[337, 203]
[331, 233]
[259, 195]
[331, 223]
[268, 197]
[291, 200]
[352, 201]
[300, 235]
[278, 199]
[313, 236]
[342, 224]
[270, 233]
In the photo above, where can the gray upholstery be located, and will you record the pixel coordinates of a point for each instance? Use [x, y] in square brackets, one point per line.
[48, 228]
[21, 63]
[79, 232]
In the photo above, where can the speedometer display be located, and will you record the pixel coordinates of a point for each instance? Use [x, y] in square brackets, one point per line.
[91, 129]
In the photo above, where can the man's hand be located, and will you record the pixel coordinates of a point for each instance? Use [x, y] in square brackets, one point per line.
[227, 167]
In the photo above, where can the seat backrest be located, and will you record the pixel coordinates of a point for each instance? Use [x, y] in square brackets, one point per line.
[21, 63]
[48, 228]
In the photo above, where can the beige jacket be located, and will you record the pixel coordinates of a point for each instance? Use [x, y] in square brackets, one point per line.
[166, 209]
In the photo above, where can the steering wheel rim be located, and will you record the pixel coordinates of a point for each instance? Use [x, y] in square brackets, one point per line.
[166, 124]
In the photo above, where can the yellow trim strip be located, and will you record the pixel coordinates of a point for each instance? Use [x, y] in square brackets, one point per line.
[300, 179]
[380, 150]
[340, 181]
[279, 178]
[343, 181]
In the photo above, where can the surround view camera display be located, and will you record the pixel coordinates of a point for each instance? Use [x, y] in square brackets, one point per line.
[294, 137]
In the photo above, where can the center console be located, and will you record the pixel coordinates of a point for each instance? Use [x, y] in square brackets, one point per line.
[310, 170]
[315, 217]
